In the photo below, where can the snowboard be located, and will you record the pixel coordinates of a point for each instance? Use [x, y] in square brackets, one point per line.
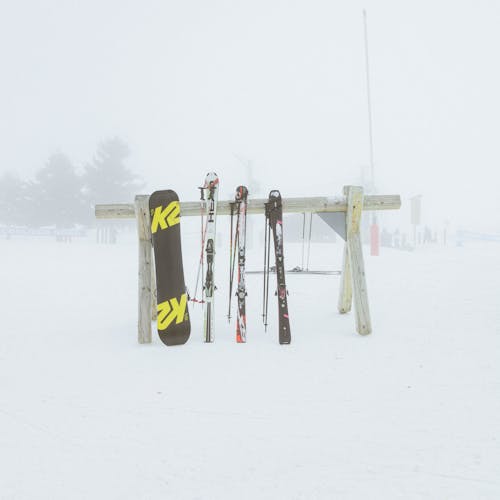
[173, 322]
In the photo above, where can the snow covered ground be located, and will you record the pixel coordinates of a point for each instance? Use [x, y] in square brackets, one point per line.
[412, 411]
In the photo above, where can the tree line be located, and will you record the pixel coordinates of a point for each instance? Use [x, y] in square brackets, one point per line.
[59, 195]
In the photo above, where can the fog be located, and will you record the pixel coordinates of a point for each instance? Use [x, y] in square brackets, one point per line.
[104, 99]
[189, 85]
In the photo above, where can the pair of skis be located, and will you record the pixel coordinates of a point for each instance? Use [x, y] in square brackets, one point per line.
[209, 196]
[274, 224]
[239, 244]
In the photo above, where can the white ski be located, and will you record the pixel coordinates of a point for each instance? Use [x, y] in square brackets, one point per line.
[210, 189]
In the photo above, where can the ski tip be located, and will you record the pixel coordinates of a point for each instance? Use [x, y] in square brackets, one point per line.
[211, 180]
[241, 192]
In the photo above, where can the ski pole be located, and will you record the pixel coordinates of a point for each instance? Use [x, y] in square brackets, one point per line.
[232, 257]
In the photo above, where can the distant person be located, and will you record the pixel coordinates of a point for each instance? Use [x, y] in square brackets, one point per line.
[385, 238]
[396, 238]
[427, 235]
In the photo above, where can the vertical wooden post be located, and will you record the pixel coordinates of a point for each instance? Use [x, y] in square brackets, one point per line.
[356, 264]
[345, 294]
[145, 294]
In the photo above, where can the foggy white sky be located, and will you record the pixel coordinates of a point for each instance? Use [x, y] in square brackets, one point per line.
[188, 83]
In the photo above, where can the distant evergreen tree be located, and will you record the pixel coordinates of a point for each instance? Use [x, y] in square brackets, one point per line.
[56, 195]
[13, 200]
[107, 179]
[59, 196]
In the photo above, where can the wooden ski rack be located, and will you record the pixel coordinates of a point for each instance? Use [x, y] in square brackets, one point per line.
[353, 280]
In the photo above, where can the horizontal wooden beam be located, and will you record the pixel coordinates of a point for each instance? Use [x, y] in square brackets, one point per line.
[256, 206]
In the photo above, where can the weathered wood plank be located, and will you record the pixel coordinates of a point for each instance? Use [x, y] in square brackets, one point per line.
[345, 294]
[361, 305]
[115, 210]
[145, 293]
[356, 262]
[256, 206]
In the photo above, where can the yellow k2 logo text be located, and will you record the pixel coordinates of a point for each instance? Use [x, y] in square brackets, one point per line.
[171, 310]
[165, 217]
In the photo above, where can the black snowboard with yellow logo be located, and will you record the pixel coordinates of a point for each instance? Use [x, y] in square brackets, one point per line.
[173, 315]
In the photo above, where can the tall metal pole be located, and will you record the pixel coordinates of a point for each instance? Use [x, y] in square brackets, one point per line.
[374, 230]
[369, 100]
